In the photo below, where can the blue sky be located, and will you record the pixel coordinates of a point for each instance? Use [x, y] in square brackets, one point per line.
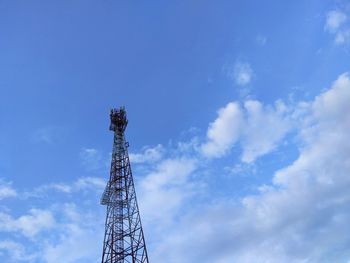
[238, 119]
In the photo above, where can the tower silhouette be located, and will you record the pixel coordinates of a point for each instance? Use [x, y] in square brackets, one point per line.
[124, 239]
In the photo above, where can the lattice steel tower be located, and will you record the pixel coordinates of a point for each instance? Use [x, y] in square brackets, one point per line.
[124, 239]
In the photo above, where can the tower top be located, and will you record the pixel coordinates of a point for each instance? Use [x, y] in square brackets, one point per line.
[118, 120]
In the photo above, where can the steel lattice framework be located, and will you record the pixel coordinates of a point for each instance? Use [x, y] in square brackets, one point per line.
[124, 239]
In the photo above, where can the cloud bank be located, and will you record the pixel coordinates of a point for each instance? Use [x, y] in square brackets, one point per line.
[300, 217]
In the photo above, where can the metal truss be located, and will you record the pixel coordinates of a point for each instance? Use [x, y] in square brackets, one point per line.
[124, 240]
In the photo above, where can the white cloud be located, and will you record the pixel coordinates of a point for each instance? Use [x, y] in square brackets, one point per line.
[265, 126]
[165, 188]
[335, 19]
[80, 237]
[80, 245]
[258, 128]
[75, 235]
[90, 182]
[148, 155]
[342, 36]
[241, 73]
[189, 147]
[15, 251]
[224, 131]
[60, 187]
[28, 225]
[87, 183]
[6, 190]
[336, 24]
[301, 217]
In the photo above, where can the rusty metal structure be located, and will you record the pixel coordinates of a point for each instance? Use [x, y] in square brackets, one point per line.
[124, 240]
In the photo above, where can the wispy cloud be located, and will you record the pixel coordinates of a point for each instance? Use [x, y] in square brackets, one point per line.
[241, 73]
[48, 135]
[6, 190]
[91, 159]
[87, 183]
[29, 225]
[15, 251]
[148, 154]
[335, 19]
[336, 24]
[44, 135]
[261, 40]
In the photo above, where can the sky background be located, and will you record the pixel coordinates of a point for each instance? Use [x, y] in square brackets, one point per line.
[238, 120]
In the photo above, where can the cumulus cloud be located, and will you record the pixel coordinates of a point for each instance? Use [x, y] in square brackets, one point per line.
[224, 131]
[301, 217]
[165, 188]
[64, 232]
[264, 128]
[80, 236]
[258, 128]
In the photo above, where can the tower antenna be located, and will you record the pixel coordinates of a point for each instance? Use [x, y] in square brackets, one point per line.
[124, 240]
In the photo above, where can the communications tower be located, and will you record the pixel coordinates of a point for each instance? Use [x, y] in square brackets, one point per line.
[124, 240]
